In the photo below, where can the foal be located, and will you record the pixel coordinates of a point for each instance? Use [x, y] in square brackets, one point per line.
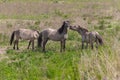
[55, 35]
[88, 37]
[25, 34]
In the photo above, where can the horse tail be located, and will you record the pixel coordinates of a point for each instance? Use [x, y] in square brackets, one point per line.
[12, 37]
[39, 40]
[100, 40]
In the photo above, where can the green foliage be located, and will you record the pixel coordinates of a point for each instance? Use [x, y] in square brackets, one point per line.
[73, 35]
[3, 39]
[37, 22]
[35, 27]
[9, 25]
[74, 63]
[102, 23]
[61, 14]
[71, 65]
[25, 16]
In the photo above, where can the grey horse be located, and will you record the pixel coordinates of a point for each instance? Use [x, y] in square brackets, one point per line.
[88, 37]
[54, 35]
[25, 34]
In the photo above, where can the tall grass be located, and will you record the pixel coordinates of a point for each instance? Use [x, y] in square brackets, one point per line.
[74, 64]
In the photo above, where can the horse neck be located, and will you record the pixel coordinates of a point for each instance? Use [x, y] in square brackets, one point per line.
[83, 33]
[62, 30]
[65, 30]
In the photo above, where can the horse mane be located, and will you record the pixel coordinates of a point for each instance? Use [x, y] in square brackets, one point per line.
[60, 30]
[84, 29]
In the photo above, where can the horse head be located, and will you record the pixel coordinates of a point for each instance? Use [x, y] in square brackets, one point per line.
[75, 28]
[64, 27]
[66, 23]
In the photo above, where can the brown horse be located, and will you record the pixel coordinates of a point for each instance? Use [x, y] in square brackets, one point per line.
[55, 35]
[25, 34]
[88, 37]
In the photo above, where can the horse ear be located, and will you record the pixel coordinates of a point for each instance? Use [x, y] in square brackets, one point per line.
[68, 21]
[64, 22]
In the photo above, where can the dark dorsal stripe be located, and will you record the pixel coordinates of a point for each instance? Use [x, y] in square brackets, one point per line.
[85, 30]
[60, 30]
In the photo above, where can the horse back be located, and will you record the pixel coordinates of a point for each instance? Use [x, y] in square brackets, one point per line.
[53, 34]
[28, 34]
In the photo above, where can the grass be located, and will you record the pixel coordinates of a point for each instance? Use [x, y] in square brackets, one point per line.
[55, 1]
[23, 17]
[53, 65]
[73, 64]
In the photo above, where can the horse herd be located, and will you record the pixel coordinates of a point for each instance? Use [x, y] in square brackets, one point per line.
[54, 35]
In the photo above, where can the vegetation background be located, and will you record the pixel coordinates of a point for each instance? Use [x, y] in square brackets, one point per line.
[74, 64]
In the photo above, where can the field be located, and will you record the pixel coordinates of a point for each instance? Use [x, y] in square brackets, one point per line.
[73, 64]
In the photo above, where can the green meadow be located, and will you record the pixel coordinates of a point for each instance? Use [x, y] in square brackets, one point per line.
[73, 64]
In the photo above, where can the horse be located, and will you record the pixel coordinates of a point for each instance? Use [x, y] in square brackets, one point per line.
[54, 35]
[87, 36]
[25, 34]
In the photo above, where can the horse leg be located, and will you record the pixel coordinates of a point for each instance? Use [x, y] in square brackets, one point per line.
[91, 45]
[96, 43]
[61, 43]
[64, 42]
[44, 43]
[32, 44]
[17, 44]
[82, 44]
[29, 44]
[14, 44]
[86, 45]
